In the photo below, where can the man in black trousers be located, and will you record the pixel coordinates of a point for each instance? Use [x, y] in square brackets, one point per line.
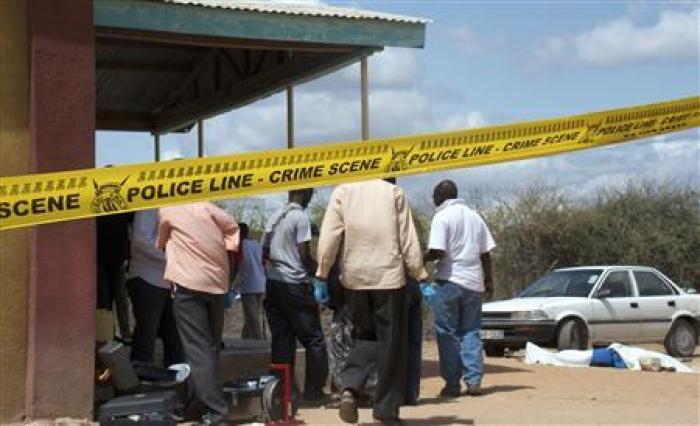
[199, 240]
[369, 226]
[292, 310]
[151, 294]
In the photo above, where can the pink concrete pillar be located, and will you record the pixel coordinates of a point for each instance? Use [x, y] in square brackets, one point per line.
[61, 308]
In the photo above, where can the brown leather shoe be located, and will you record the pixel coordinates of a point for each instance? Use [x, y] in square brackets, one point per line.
[348, 407]
[474, 390]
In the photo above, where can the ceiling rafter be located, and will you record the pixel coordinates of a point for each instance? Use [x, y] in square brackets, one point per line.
[232, 62]
[192, 77]
[248, 90]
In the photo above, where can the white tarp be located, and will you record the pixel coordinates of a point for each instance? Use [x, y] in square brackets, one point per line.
[572, 358]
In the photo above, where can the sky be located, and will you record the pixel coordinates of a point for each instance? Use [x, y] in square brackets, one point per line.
[485, 63]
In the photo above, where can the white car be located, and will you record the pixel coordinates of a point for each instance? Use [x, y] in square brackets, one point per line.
[571, 308]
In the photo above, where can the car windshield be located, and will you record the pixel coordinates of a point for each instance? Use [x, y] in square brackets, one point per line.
[574, 283]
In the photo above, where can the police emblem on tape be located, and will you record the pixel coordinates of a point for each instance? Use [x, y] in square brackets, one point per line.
[398, 159]
[108, 197]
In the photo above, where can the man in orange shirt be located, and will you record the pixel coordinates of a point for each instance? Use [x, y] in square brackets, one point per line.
[199, 240]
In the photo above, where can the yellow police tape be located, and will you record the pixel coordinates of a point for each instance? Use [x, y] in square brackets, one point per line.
[53, 197]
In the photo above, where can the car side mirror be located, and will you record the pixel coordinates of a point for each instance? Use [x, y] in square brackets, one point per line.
[603, 293]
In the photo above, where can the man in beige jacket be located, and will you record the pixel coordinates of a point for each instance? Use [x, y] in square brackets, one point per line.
[370, 227]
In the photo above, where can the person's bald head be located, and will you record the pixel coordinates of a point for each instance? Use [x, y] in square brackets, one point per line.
[445, 190]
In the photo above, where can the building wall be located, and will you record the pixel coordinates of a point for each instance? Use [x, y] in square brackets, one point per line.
[60, 350]
[47, 275]
[14, 245]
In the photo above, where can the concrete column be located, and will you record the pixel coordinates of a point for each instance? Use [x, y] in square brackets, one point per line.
[14, 245]
[60, 357]
[364, 97]
[156, 147]
[200, 138]
[290, 116]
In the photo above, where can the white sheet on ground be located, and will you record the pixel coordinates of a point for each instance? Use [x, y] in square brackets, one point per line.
[572, 358]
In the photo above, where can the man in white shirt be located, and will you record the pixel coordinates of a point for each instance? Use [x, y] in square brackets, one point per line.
[150, 294]
[252, 285]
[460, 241]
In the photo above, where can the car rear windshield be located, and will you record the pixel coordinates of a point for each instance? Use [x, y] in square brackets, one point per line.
[563, 284]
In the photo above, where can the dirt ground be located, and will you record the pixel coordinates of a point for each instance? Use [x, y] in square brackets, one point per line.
[516, 393]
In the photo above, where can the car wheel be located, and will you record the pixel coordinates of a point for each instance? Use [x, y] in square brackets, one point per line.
[494, 350]
[572, 335]
[681, 340]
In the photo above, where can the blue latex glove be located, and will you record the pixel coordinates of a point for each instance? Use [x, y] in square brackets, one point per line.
[231, 297]
[428, 291]
[321, 291]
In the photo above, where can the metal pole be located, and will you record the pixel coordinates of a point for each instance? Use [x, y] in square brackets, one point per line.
[200, 138]
[364, 97]
[290, 117]
[156, 146]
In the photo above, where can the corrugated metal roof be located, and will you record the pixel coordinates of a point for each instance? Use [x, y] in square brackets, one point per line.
[311, 8]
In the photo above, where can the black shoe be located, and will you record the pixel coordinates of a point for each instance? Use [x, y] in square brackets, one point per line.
[126, 341]
[449, 392]
[348, 407]
[211, 419]
[411, 401]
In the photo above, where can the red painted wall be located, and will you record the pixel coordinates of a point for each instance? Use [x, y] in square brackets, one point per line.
[62, 277]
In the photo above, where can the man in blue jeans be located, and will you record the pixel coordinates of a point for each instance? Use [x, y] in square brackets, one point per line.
[460, 242]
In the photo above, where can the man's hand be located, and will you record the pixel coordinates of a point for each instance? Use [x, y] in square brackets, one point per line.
[488, 288]
[433, 254]
[321, 291]
[488, 273]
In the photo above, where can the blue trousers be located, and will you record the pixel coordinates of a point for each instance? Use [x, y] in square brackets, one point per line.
[457, 313]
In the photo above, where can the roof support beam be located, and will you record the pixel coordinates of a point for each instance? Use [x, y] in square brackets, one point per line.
[156, 147]
[250, 89]
[189, 80]
[118, 37]
[232, 62]
[290, 116]
[364, 97]
[200, 138]
[123, 120]
[142, 67]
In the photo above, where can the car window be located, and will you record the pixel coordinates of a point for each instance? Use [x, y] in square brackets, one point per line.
[566, 283]
[619, 284]
[648, 284]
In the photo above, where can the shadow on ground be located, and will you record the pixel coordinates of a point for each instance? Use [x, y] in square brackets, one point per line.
[487, 390]
[431, 368]
[503, 388]
[497, 369]
[437, 420]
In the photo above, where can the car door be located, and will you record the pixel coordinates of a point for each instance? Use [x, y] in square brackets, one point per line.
[616, 309]
[657, 304]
